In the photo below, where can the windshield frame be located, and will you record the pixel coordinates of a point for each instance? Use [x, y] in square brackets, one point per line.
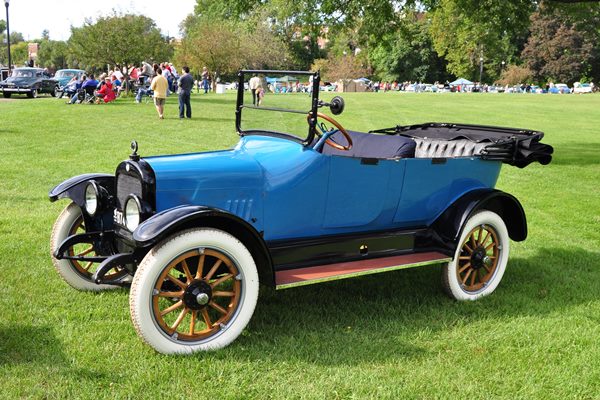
[312, 120]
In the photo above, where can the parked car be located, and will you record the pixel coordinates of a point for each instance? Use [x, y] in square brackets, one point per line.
[63, 77]
[582, 88]
[559, 88]
[29, 81]
[194, 234]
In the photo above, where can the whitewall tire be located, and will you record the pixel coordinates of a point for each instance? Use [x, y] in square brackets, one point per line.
[78, 274]
[195, 291]
[480, 258]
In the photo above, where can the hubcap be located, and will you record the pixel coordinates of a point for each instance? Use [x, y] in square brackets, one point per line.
[197, 295]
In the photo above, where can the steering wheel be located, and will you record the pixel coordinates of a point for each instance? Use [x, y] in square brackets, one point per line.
[339, 128]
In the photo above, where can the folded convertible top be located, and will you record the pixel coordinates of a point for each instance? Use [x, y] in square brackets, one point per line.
[518, 147]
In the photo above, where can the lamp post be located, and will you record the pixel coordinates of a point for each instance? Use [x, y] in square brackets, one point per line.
[6, 3]
[480, 69]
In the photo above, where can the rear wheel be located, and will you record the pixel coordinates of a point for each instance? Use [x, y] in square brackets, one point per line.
[33, 94]
[195, 291]
[76, 273]
[480, 259]
[6, 95]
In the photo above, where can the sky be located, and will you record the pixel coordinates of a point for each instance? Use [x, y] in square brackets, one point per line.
[31, 17]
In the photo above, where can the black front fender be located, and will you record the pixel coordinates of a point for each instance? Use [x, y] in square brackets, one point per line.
[450, 224]
[168, 222]
[74, 188]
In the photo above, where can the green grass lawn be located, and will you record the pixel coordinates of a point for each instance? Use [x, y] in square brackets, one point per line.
[393, 335]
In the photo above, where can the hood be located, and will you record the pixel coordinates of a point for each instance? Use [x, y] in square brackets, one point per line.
[20, 81]
[216, 169]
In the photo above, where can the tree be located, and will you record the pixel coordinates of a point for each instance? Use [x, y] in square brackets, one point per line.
[556, 49]
[335, 68]
[55, 54]
[118, 39]
[408, 53]
[514, 75]
[225, 47]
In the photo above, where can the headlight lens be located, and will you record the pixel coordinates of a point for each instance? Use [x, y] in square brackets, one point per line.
[132, 213]
[91, 198]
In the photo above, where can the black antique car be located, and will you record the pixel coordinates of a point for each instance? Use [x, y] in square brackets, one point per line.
[29, 81]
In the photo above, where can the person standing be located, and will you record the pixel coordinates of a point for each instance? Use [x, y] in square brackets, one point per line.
[205, 79]
[186, 84]
[254, 84]
[160, 86]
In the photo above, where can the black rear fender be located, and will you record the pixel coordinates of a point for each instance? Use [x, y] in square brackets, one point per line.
[169, 222]
[450, 224]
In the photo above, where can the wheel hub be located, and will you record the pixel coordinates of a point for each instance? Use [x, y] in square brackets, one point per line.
[479, 258]
[197, 295]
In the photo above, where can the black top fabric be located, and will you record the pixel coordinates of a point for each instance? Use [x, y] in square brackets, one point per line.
[366, 145]
[518, 147]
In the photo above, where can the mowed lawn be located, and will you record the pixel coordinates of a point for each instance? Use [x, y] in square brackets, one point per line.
[392, 336]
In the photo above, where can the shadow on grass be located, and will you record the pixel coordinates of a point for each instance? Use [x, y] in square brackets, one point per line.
[381, 317]
[577, 154]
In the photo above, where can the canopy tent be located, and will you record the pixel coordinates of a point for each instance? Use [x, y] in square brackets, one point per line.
[461, 81]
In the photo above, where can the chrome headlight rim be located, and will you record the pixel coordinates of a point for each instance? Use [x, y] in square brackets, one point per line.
[91, 198]
[132, 220]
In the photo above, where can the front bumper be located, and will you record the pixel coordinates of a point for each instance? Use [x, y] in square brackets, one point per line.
[16, 90]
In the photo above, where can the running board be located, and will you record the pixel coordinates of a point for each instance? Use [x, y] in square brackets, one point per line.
[331, 272]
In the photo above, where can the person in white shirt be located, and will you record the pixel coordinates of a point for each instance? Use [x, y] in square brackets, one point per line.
[254, 84]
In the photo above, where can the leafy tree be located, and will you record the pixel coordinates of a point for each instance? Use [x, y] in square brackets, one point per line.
[54, 55]
[556, 49]
[515, 74]
[118, 39]
[224, 47]
[335, 68]
[408, 53]
[2, 25]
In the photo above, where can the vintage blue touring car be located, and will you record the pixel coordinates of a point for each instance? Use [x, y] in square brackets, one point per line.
[194, 234]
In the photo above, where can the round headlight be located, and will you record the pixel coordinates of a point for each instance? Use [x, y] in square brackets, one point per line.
[91, 198]
[132, 213]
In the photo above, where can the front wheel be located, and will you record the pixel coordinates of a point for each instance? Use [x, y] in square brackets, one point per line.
[6, 95]
[33, 94]
[195, 291]
[77, 273]
[480, 258]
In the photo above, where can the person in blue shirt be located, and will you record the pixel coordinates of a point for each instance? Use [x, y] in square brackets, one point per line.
[77, 87]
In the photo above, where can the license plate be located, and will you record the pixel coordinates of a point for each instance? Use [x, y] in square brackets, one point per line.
[118, 217]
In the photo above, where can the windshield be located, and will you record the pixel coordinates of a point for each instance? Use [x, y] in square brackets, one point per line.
[65, 74]
[276, 101]
[22, 73]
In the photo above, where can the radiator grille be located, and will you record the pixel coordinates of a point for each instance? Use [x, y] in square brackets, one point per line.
[127, 185]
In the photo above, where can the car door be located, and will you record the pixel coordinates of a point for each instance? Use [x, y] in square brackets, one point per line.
[362, 192]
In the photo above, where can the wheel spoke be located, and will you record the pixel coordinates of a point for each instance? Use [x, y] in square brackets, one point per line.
[193, 321]
[466, 246]
[177, 282]
[186, 269]
[467, 265]
[487, 235]
[88, 251]
[206, 318]
[464, 257]
[172, 308]
[217, 307]
[473, 240]
[180, 318]
[487, 268]
[88, 265]
[221, 280]
[170, 294]
[473, 275]
[213, 270]
[464, 279]
[223, 294]
[490, 246]
[200, 267]
[479, 234]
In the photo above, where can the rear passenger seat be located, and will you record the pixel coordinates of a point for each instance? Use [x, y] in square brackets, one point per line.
[438, 148]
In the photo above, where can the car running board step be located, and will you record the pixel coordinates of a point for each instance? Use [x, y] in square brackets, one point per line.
[330, 272]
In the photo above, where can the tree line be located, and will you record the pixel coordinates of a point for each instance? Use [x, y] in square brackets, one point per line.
[509, 41]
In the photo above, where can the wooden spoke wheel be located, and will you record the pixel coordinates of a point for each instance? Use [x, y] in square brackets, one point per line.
[78, 273]
[194, 291]
[480, 258]
[196, 294]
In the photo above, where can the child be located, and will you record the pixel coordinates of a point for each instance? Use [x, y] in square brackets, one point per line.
[260, 93]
